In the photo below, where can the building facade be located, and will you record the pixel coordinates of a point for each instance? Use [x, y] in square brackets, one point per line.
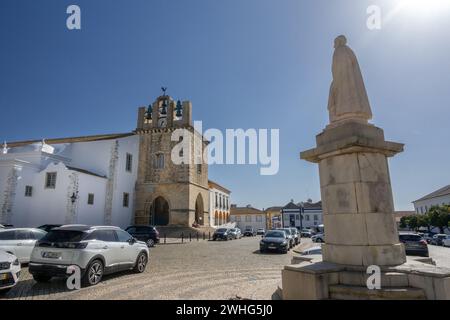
[436, 198]
[116, 179]
[274, 217]
[219, 204]
[303, 215]
[248, 217]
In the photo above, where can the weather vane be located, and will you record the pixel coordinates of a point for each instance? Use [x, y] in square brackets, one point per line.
[164, 89]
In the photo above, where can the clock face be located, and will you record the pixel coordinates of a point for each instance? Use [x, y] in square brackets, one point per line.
[162, 122]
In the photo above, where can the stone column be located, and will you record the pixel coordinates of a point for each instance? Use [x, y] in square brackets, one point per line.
[358, 207]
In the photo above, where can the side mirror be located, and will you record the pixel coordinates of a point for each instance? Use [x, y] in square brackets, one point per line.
[132, 241]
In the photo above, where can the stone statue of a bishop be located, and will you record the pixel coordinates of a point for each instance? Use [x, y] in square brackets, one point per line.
[348, 97]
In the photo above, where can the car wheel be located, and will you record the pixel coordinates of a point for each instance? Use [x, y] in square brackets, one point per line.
[150, 243]
[94, 274]
[41, 278]
[141, 263]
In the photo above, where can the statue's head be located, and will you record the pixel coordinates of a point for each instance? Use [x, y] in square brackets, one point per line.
[340, 41]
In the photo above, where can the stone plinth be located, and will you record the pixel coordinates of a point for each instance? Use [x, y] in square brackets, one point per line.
[358, 207]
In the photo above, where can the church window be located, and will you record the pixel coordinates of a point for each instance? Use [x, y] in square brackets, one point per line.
[199, 168]
[216, 202]
[50, 180]
[159, 161]
[126, 199]
[129, 163]
[90, 199]
[28, 191]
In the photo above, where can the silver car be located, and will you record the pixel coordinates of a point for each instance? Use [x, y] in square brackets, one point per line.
[96, 251]
[236, 233]
[20, 241]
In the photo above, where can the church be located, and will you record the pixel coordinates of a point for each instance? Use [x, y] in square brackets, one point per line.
[112, 179]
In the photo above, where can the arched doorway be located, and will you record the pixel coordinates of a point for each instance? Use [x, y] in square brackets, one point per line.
[216, 218]
[199, 216]
[159, 212]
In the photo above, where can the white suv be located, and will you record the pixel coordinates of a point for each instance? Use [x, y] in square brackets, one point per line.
[95, 250]
[9, 271]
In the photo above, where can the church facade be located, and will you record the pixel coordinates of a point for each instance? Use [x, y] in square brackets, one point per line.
[115, 179]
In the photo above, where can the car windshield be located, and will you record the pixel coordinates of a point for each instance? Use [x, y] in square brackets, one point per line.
[222, 230]
[64, 236]
[288, 231]
[275, 234]
[410, 237]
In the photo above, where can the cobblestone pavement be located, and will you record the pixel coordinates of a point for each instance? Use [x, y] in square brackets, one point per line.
[196, 270]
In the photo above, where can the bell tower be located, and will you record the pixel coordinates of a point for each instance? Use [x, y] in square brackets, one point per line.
[168, 192]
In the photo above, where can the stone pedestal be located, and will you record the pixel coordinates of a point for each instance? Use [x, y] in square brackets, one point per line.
[358, 207]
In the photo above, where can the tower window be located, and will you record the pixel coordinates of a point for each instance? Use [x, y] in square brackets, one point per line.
[129, 163]
[126, 199]
[90, 199]
[199, 168]
[28, 191]
[50, 180]
[159, 161]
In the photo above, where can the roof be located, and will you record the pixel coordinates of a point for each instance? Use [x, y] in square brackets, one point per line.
[273, 209]
[85, 172]
[71, 139]
[82, 227]
[291, 205]
[400, 214]
[213, 184]
[438, 193]
[245, 210]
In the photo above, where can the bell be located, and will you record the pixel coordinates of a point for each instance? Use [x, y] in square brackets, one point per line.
[149, 112]
[164, 108]
[179, 108]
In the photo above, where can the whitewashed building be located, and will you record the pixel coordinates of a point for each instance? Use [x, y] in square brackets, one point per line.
[302, 215]
[219, 204]
[248, 216]
[89, 180]
[436, 198]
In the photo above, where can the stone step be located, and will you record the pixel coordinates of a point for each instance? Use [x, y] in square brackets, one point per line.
[388, 279]
[346, 292]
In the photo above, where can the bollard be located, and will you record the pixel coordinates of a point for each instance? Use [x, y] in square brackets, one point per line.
[203, 235]
[209, 235]
[182, 237]
[197, 236]
[190, 237]
[165, 238]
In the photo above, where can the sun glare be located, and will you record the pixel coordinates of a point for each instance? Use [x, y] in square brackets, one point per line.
[423, 8]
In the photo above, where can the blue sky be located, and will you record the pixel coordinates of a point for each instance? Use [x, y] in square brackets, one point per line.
[243, 64]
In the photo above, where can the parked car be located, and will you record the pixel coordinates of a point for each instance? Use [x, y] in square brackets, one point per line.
[9, 271]
[236, 233]
[296, 235]
[312, 251]
[414, 244]
[147, 234]
[290, 236]
[20, 241]
[437, 239]
[222, 234]
[260, 232]
[306, 234]
[275, 240]
[320, 237]
[249, 232]
[48, 227]
[309, 230]
[95, 250]
[446, 242]
[428, 237]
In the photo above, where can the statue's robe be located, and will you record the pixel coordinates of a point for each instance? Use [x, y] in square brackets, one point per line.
[348, 96]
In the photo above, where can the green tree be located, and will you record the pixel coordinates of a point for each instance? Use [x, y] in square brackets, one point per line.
[413, 222]
[439, 216]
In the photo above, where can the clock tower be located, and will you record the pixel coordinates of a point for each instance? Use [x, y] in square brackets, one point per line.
[169, 193]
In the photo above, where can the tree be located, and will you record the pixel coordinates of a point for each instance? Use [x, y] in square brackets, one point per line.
[423, 220]
[439, 216]
[413, 222]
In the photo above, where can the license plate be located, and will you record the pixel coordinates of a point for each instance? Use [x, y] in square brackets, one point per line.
[51, 255]
[3, 276]
[272, 247]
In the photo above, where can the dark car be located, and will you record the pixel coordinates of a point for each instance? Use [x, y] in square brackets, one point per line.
[249, 232]
[290, 236]
[222, 234]
[414, 244]
[147, 234]
[274, 240]
[437, 239]
[48, 227]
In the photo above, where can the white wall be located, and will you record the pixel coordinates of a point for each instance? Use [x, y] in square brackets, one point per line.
[423, 206]
[242, 223]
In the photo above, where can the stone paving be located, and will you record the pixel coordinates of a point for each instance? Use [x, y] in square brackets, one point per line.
[193, 270]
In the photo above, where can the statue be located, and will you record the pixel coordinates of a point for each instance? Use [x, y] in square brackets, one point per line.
[348, 97]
